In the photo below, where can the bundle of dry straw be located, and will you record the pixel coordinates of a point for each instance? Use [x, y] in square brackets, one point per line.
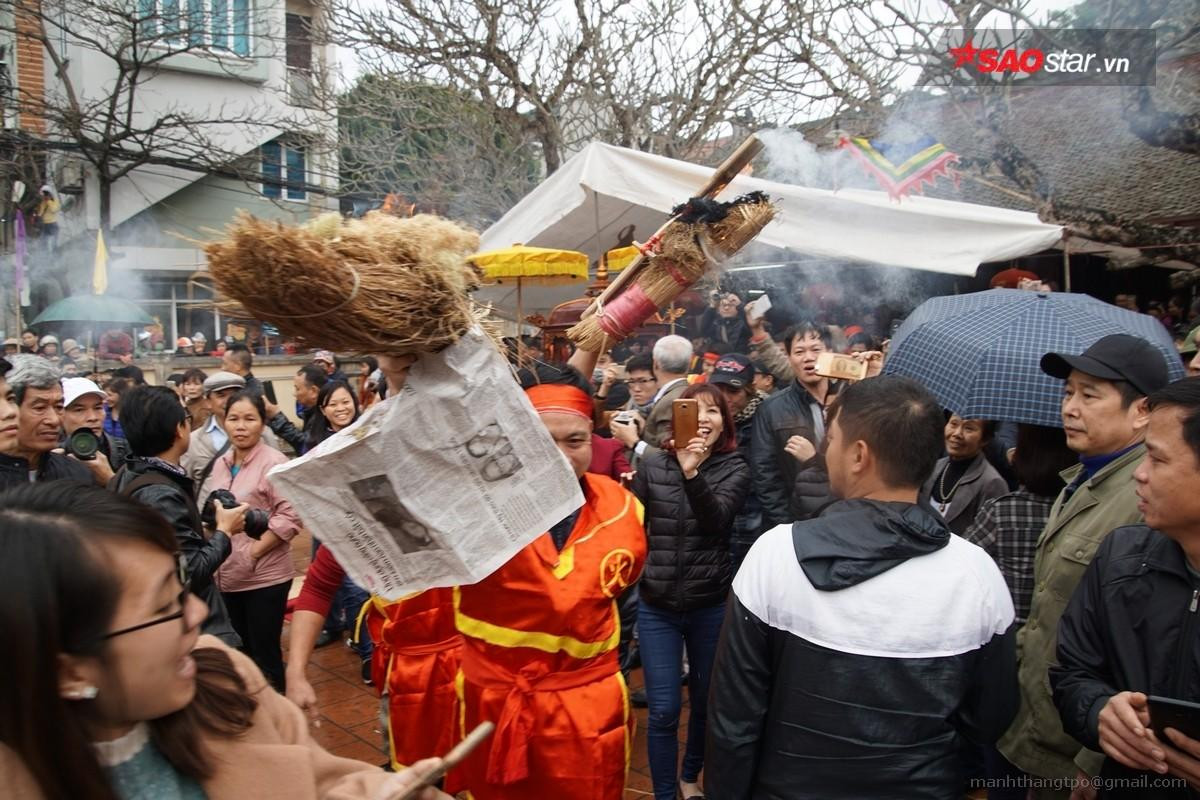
[701, 236]
[382, 284]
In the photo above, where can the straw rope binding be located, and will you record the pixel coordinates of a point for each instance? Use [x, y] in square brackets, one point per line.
[703, 235]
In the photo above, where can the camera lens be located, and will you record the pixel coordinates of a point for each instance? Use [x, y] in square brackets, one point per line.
[83, 444]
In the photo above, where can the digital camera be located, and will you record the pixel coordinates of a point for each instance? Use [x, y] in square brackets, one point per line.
[256, 519]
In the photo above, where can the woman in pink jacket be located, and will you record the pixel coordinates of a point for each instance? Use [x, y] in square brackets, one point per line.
[109, 691]
[255, 579]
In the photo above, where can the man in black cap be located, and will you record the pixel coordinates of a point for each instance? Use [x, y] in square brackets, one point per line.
[734, 374]
[1104, 414]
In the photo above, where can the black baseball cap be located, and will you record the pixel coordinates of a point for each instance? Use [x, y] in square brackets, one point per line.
[1117, 357]
[733, 369]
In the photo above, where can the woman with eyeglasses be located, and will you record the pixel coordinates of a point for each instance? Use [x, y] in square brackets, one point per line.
[255, 579]
[111, 693]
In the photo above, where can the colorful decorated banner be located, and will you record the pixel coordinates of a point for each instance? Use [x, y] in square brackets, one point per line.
[902, 168]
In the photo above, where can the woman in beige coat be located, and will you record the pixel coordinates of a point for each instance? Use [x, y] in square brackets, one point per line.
[109, 692]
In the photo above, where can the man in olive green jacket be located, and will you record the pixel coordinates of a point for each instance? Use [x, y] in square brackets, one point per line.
[1104, 416]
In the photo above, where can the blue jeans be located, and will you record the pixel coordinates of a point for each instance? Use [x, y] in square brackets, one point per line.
[343, 612]
[661, 638]
[351, 597]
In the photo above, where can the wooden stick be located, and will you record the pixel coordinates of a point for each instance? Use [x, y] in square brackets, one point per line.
[729, 169]
[452, 759]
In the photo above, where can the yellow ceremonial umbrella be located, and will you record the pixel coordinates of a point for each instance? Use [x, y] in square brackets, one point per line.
[620, 258]
[540, 265]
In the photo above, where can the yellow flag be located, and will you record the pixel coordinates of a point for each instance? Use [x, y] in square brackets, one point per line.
[100, 269]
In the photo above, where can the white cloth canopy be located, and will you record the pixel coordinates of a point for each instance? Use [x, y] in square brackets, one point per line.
[604, 188]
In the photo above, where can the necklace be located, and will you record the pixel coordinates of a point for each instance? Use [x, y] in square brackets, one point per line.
[942, 485]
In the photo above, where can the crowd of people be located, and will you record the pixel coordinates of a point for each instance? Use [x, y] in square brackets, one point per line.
[864, 594]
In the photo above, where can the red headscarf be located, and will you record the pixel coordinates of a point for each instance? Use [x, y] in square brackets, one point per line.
[561, 399]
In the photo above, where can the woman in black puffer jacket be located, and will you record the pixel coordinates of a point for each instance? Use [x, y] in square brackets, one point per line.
[691, 496]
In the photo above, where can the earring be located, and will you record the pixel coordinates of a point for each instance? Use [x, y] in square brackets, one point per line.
[86, 693]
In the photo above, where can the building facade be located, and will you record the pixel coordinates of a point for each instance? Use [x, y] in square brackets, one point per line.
[156, 121]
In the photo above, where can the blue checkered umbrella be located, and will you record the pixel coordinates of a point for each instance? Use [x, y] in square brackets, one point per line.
[979, 353]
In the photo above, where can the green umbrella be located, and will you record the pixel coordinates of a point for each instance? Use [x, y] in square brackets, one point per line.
[101, 308]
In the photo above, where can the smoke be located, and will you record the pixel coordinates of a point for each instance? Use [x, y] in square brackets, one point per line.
[790, 158]
[829, 290]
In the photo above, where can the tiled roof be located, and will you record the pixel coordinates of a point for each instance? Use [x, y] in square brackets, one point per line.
[1076, 136]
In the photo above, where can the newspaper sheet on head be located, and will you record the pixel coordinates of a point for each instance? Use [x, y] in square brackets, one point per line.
[439, 485]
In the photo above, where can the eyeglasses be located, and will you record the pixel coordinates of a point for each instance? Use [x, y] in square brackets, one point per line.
[640, 381]
[185, 581]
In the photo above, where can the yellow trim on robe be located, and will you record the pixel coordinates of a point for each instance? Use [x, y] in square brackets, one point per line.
[625, 722]
[546, 642]
[566, 558]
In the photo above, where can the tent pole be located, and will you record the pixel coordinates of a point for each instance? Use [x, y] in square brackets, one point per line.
[520, 312]
[1066, 264]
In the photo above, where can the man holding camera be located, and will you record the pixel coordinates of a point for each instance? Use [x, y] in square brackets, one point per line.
[35, 384]
[159, 432]
[83, 432]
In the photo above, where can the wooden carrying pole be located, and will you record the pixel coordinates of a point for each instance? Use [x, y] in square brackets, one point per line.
[729, 169]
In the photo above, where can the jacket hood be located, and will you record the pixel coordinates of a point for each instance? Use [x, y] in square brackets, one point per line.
[855, 540]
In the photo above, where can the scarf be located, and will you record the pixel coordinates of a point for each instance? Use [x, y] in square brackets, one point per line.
[751, 407]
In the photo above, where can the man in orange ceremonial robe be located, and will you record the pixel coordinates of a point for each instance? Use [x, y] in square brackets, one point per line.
[540, 639]
[415, 668]
[414, 664]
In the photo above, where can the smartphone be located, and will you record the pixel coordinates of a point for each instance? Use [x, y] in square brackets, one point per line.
[757, 309]
[685, 421]
[1181, 715]
[452, 759]
[836, 365]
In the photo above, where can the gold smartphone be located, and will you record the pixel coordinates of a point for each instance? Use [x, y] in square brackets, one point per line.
[685, 421]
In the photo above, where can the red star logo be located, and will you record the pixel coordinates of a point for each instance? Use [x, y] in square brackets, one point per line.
[963, 55]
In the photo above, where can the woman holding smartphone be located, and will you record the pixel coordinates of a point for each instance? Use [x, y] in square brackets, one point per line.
[691, 490]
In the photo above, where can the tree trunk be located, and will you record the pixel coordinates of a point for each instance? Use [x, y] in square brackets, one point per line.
[105, 205]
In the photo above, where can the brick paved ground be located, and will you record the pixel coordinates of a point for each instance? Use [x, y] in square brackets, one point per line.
[350, 711]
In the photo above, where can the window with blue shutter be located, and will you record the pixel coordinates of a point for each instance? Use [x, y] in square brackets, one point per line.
[196, 24]
[172, 23]
[216, 24]
[241, 27]
[297, 177]
[272, 163]
[219, 26]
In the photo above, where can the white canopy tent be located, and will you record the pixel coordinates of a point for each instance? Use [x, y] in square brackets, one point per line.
[603, 189]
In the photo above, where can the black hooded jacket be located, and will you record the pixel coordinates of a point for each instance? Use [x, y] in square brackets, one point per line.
[859, 650]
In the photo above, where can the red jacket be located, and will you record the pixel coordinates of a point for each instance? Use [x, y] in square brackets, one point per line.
[608, 458]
